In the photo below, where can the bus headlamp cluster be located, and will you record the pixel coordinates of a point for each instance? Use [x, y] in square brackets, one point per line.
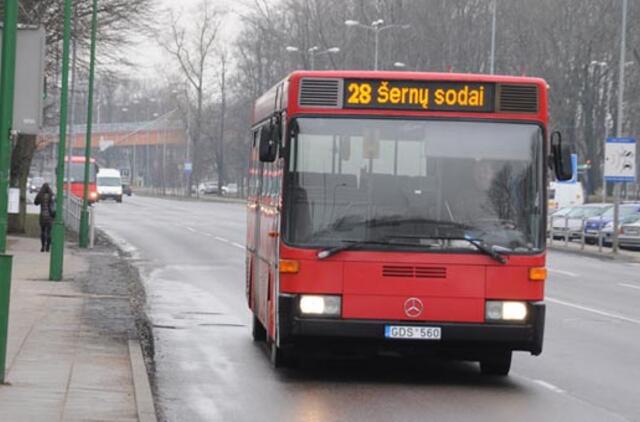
[505, 311]
[320, 305]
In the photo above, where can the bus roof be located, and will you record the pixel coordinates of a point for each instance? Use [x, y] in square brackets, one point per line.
[285, 94]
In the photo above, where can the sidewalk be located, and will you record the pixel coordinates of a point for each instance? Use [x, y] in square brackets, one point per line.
[593, 251]
[64, 363]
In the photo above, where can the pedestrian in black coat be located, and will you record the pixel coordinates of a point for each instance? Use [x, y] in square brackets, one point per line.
[46, 200]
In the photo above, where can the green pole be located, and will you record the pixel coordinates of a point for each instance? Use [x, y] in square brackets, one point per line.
[57, 234]
[7, 76]
[84, 214]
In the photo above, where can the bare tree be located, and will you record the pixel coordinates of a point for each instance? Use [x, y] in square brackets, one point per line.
[194, 50]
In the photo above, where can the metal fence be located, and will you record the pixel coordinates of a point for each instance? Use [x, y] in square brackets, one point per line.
[564, 229]
[72, 212]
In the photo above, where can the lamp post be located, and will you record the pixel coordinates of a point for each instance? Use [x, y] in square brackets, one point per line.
[616, 190]
[313, 52]
[57, 233]
[7, 79]
[376, 27]
[84, 214]
[603, 65]
[493, 37]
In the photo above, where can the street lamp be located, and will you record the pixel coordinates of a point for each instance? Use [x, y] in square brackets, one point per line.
[603, 65]
[376, 27]
[313, 52]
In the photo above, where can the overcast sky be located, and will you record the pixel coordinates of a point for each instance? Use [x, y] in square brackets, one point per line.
[152, 61]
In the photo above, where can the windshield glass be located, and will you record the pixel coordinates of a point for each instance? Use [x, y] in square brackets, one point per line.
[408, 181]
[109, 181]
[625, 211]
[586, 211]
[76, 172]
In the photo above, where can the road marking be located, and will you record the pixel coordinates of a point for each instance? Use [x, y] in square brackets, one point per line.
[191, 229]
[549, 386]
[569, 273]
[631, 286]
[221, 239]
[594, 311]
[237, 245]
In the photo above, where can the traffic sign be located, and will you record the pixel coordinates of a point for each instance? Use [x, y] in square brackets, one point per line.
[188, 167]
[620, 160]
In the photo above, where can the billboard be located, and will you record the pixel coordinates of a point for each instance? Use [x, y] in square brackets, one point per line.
[29, 84]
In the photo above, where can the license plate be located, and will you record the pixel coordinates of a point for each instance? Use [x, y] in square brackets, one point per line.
[412, 332]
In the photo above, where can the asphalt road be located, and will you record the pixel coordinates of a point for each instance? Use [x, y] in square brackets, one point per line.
[208, 369]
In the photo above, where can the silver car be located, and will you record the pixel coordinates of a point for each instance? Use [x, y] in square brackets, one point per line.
[629, 236]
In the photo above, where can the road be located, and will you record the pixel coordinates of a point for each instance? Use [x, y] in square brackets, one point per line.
[191, 255]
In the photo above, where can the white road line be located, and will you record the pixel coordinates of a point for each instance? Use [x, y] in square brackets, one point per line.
[594, 311]
[569, 273]
[191, 229]
[631, 286]
[549, 386]
[221, 239]
[237, 245]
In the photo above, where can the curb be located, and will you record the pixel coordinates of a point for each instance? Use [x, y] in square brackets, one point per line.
[142, 387]
[592, 254]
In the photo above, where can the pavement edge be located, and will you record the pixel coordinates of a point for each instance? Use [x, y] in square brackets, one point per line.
[145, 342]
[142, 386]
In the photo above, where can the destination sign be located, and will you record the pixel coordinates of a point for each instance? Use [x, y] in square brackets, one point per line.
[419, 95]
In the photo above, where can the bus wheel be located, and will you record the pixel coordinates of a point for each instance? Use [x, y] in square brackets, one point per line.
[496, 365]
[258, 332]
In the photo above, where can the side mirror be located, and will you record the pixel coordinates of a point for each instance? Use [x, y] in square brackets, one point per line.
[561, 157]
[268, 147]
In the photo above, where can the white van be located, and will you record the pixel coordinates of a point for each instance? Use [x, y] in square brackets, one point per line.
[109, 184]
[562, 195]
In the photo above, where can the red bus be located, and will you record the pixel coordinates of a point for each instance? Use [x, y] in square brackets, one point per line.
[75, 172]
[396, 211]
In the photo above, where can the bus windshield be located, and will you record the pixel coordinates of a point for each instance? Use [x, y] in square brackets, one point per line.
[428, 185]
[76, 172]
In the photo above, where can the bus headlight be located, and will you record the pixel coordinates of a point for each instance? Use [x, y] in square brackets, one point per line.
[320, 305]
[505, 311]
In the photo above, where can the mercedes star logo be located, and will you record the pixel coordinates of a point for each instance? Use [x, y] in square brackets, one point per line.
[413, 307]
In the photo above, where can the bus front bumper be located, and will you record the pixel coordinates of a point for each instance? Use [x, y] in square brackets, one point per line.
[466, 338]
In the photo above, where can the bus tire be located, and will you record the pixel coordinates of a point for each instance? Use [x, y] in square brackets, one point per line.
[258, 332]
[496, 365]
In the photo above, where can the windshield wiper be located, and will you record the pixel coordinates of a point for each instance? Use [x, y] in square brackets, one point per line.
[478, 243]
[348, 244]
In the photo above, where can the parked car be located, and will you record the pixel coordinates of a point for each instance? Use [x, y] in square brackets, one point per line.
[208, 188]
[573, 219]
[555, 215]
[597, 223]
[607, 230]
[230, 189]
[629, 236]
